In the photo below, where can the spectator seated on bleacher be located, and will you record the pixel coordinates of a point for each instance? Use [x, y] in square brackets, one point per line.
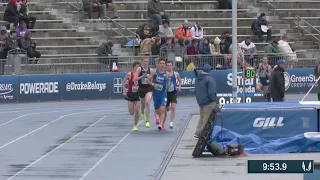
[249, 50]
[193, 50]
[184, 32]
[164, 30]
[24, 11]
[156, 13]
[197, 31]
[91, 6]
[144, 32]
[204, 47]
[155, 48]
[104, 51]
[271, 49]
[166, 48]
[11, 13]
[21, 30]
[240, 59]
[260, 27]
[3, 38]
[286, 50]
[110, 6]
[145, 45]
[12, 42]
[28, 45]
[215, 46]
[227, 36]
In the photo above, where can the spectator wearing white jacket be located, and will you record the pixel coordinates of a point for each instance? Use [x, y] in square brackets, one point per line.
[197, 31]
[249, 49]
[287, 51]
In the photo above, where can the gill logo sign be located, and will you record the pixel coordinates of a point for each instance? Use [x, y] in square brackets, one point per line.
[268, 122]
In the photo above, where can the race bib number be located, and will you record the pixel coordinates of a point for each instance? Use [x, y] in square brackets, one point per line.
[135, 88]
[171, 87]
[144, 80]
[159, 87]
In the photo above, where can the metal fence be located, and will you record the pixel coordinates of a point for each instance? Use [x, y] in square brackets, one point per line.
[18, 63]
[223, 61]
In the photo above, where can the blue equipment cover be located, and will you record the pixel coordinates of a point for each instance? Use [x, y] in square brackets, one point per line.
[307, 142]
[271, 120]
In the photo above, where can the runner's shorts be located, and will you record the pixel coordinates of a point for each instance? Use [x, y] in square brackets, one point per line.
[264, 81]
[133, 96]
[142, 93]
[171, 98]
[159, 100]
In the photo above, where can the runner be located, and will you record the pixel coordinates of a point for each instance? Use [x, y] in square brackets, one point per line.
[172, 91]
[264, 74]
[145, 89]
[160, 80]
[132, 95]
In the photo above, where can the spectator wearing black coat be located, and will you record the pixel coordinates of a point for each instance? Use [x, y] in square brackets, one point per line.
[24, 11]
[277, 81]
[256, 27]
[11, 13]
[28, 45]
[155, 48]
[144, 32]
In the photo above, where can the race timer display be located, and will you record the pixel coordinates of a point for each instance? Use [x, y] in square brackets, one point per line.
[226, 98]
[249, 72]
[280, 166]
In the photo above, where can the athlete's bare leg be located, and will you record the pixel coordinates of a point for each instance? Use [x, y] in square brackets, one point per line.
[131, 108]
[136, 112]
[267, 93]
[143, 104]
[259, 87]
[148, 97]
[173, 111]
[162, 112]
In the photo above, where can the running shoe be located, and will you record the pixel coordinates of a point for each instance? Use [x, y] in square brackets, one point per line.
[135, 128]
[143, 116]
[163, 127]
[171, 125]
[147, 124]
[157, 122]
[159, 127]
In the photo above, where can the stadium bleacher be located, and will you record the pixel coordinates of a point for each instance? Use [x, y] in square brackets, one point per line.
[58, 33]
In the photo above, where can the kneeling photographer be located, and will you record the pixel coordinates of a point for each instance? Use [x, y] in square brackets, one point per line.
[206, 94]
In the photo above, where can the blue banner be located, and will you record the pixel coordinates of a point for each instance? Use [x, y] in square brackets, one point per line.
[8, 89]
[85, 86]
[40, 88]
[108, 85]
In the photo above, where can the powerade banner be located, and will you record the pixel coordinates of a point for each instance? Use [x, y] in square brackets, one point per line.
[109, 85]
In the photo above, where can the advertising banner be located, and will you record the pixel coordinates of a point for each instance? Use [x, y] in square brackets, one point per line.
[8, 89]
[85, 86]
[299, 80]
[39, 88]
[272, 123]
[115, 81]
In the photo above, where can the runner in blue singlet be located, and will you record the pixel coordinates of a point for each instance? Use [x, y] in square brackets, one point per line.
[160, 81]
[264, 73]
[172, 91]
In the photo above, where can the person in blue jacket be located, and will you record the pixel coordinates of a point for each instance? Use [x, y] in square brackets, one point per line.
[206, 95]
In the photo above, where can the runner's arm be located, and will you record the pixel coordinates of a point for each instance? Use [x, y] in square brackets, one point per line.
[269, 71]
[149, 79]
[136, 74]
[179, 80]
[124, 82]
[169, 80]
[258, 71]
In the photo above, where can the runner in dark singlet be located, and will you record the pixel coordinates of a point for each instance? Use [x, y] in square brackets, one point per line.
[132, 95]
[264, 74]
[145, 90]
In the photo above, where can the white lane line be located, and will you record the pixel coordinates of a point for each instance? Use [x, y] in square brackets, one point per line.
[48, 153]
[107, 154]
[7, 122]
[61, 117]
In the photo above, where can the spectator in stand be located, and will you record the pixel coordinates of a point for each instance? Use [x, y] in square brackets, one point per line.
[197, 31]
[286, 51]
[12, 42]
[272, 49]
[11, 13]
[144, 32]
[155, 48]
[91, 6]
[193, 49]
[167, 47]
[224, 46]
[260, 27]
[227, 36]
[105, 51]
[3, 39]
[156, 13]
[28, 45]
[215, 46]
[184, 32]
[109, 6]
[204, 47]
[24, 11]
[165, 30]
[249, 50]
[21, 30]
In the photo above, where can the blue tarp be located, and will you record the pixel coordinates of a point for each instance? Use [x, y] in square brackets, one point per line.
[307, 142]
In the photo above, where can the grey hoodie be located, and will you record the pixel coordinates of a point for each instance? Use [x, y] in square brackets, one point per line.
[206, 89]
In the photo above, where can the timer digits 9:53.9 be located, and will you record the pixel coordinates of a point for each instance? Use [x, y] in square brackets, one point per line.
[280, 166]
